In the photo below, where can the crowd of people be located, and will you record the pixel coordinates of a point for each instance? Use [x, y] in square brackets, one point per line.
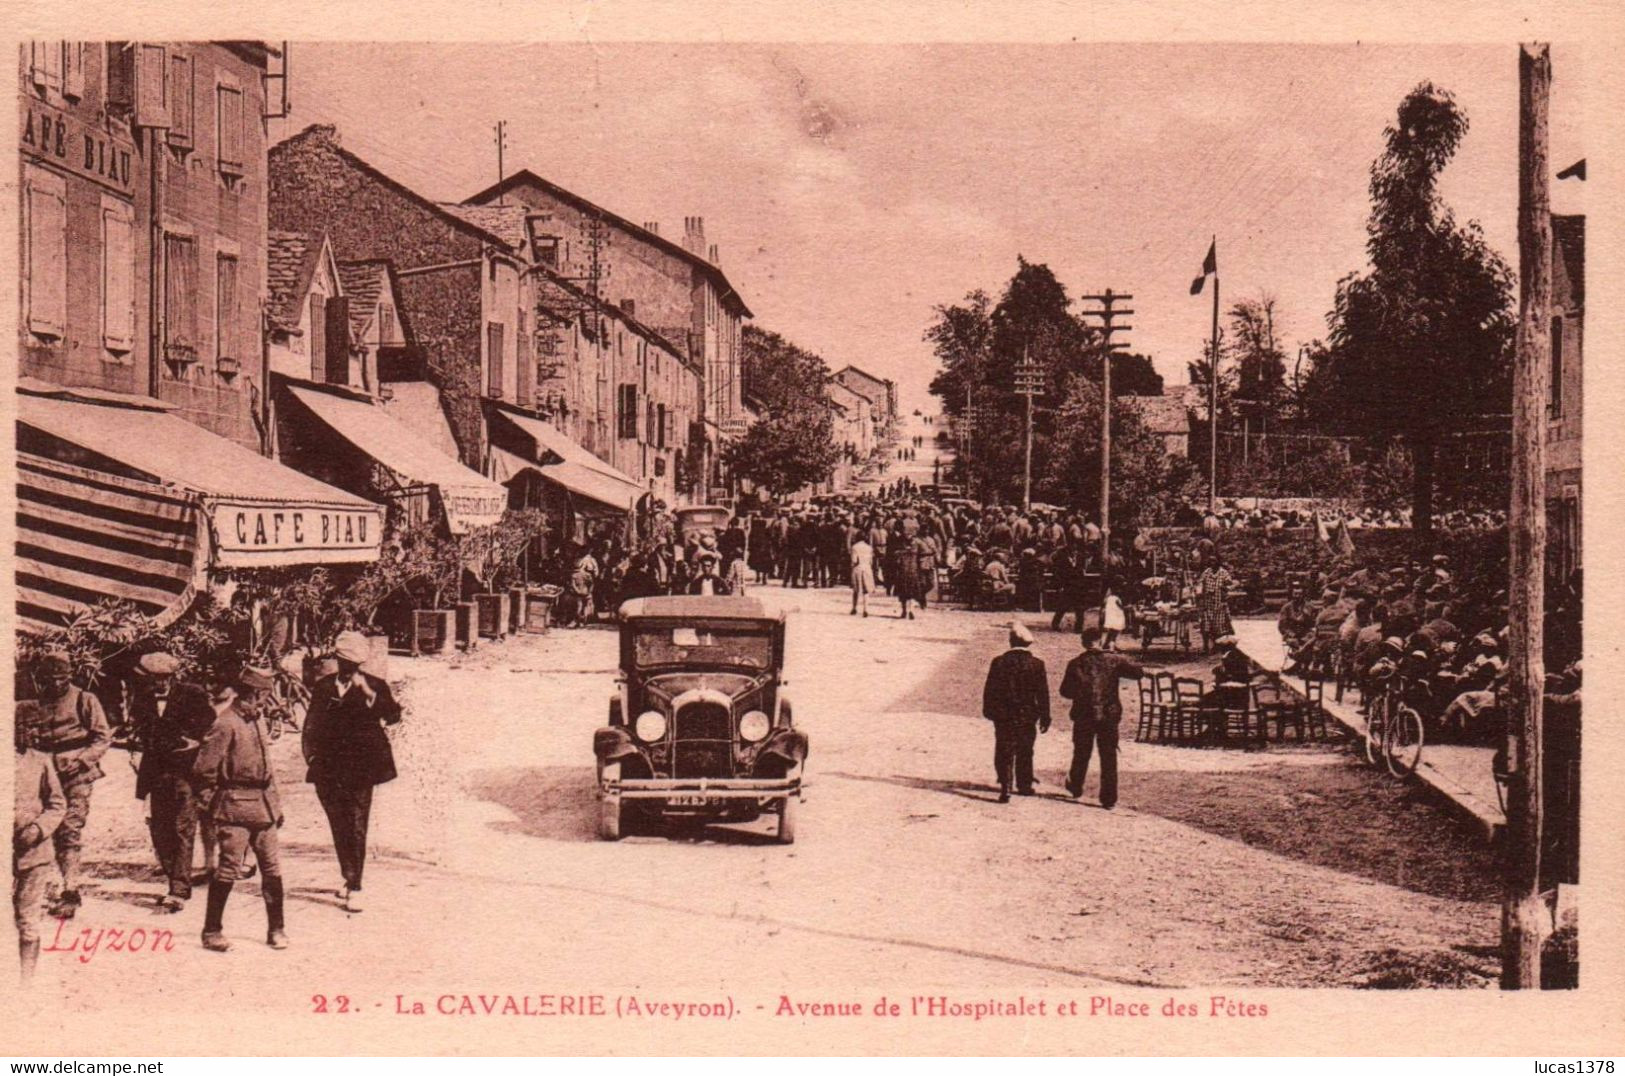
[1233, 513]
[201, 755]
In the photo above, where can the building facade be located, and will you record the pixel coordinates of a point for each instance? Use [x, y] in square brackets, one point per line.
[143, 223]
[881, 394]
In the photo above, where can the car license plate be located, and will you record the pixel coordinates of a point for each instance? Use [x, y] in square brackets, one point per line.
[691, 801]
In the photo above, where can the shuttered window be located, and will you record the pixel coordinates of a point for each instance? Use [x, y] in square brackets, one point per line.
[493, 350]
[229, 129]
[337, 334]
[182, 105]
[45, 65]
[318, 338]
[524, 363]
[626, 412]
[152, 86]
[118, 277]
[180, 298]
[46, 206]
[225, 308]
[1554, 405]
[73, 69]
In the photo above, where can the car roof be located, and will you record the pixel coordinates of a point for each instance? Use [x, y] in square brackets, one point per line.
[697, 607]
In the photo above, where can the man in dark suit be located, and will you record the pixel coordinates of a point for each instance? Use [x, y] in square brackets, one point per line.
[170, 721]
[1090, 682]
[1016, 699]
[348, 754]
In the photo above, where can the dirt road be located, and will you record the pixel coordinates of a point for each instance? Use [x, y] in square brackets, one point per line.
[1289, 867]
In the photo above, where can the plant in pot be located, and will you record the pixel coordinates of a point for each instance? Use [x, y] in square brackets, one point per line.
[492, 554]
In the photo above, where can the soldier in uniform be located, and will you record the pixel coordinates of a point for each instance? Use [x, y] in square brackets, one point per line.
[233, 777]
[41, 807]
[69, 725]
[1090, 682]
[1016, 699]
[348, 754]
[170, 722]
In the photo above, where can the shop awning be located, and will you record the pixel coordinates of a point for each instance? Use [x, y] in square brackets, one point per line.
[258, 513]
[470, 499]
[561, 460]
[603, 494]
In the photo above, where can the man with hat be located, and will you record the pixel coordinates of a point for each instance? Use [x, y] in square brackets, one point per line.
[707, 581]
[233, 777]
[348, 753]
[1016, 699]
[69, 725]
[1090, 682]
[170, 721]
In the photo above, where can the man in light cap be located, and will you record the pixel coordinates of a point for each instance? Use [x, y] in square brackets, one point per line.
[170, 720]
[233, 777]
[69, 725]
[348, 754]
[1016, 699]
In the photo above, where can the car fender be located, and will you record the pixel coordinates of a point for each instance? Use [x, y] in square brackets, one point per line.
[613, 743]
[785, 718]
[787, 744]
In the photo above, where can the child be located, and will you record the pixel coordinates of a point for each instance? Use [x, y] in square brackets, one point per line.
[1113, 620]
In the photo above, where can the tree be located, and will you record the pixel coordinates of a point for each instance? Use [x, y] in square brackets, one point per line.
[1134, 375]
[1147, 481]
[1255, 352]
[962, 337]
[778, 374]
[786, 451]
[1422, 341]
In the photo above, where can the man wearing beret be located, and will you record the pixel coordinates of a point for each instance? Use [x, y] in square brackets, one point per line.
[171, 720]
[1090, 681]
[233, 777]
[348, 754]
[69, 725]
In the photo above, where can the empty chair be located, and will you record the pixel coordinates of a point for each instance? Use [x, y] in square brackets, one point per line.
[1187, 713]
[1152, 716]
[1271, 703]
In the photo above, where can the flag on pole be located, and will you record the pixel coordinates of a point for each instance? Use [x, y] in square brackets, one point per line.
[1210, 265]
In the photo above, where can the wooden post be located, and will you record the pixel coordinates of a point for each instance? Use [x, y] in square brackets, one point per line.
[1524, 919]
[1213, 405]
[1107, 313]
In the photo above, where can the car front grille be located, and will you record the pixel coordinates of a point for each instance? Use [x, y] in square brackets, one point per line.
[702, 741]
[703, 721]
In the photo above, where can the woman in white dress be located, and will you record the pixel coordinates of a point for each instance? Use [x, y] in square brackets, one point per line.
[863, 575]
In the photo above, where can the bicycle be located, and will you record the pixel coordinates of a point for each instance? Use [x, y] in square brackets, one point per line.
[1393, 732]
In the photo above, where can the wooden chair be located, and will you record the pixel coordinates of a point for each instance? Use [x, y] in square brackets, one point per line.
[1152, 716]
[1188, 723]
[1271, 703]
[1314, 706]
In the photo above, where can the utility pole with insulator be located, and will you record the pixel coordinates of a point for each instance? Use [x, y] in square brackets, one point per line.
[1107, 312]
[1524, 918]
[1029, 383]
[502, 144]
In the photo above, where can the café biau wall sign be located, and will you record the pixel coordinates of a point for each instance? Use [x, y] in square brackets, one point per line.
[49, 134]
[266, 535]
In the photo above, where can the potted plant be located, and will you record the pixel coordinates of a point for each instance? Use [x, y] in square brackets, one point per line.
[491, 553]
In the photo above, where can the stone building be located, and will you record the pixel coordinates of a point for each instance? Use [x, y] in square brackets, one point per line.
[881, 394]
[677, 289]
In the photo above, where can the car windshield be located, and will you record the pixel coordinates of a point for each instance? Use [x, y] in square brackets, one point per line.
[704, 645]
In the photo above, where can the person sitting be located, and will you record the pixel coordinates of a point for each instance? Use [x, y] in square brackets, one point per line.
[1231, 677]
[1296, 623]
[996, 578]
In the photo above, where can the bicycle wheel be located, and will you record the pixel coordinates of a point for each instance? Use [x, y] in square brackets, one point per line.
[1402, 742]
[1375, 722]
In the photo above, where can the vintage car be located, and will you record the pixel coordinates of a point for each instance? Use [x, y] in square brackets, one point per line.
[700, 730]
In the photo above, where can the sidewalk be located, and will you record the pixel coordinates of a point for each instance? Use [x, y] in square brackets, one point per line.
[1459, 773]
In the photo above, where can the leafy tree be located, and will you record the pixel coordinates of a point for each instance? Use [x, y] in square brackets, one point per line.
[785, 451]
[1134, 375]
[1422, 341]
[1256, 353]
[779, 374]
[1147, 480]
[962, 337]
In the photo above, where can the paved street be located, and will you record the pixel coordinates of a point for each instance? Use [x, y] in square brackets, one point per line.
[1290, 867]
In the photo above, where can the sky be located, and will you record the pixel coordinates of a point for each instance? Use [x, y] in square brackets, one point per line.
[851, 188]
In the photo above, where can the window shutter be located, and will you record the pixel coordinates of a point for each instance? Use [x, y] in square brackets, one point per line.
[47, 254]
[336, 332]
[73, 69]
[151, 86]
[181, 100]
[525, 368]
[120, 63]
[229, 129]
[118, 279]
[493, 348]
[180, 298]
[45, 64]
[225, 308]
[318, 338]
[1555, 404]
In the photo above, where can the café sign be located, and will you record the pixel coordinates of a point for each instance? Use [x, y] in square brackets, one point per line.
[269, 535]
[49, 134]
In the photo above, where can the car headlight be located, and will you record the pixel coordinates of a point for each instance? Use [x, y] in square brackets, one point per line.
[650, 726]
[754, 726]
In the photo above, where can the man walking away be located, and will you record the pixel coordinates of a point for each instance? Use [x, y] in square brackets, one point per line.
[41, 807]
[233, 776]
[1016, 699]
[69, 725]
[348, 754]
[170, 720]
[1090, 682]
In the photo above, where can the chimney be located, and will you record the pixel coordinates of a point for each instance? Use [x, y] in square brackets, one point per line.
[694, 236]
[629, 307]
[652, 226]
[712, 257]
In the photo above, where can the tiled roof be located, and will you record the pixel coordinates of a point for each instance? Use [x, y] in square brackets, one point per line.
[506, 222]
[362, 282]
[290, 264]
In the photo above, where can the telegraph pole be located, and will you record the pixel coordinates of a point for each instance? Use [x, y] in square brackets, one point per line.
[1213, 403]
[501, 140]
[1106, 313]
[1029, 383]
[1523, 911]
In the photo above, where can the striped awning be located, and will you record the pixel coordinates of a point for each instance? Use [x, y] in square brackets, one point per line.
[84, 536]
